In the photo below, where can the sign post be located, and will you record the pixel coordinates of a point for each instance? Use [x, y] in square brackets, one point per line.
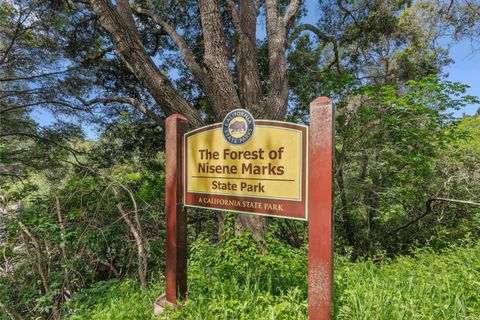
[320, 271]
[176, 216]
[261, 167]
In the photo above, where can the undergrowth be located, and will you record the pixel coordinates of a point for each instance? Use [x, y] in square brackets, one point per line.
[232, 280]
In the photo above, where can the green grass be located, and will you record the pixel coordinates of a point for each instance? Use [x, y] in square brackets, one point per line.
[118, 301]
[428, 285]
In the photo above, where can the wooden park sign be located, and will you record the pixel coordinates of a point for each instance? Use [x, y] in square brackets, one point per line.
[249, 166]
[260, 167]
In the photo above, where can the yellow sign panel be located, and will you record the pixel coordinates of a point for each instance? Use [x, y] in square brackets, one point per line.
[269, 165]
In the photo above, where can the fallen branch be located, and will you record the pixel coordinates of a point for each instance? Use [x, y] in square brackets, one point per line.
[137, 234]
[428, 210]
[470, 203]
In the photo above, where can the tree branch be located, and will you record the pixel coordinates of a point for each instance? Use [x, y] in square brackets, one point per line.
[38, 251]
[470, 203]
[292, 10]
[15, 315]
[119, 23]
[44, 140]
[428, 210]
[136, 232]
[96, 55]
[12, 41]
[234, 13]
[87, 59]
[133, 102]
[309, 27]
[26, 92]
[27, 105]
[322, 36]
[349, 13]
[38, 76]
[198, 73]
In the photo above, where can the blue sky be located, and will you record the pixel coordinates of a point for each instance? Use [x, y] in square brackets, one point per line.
[464, 69]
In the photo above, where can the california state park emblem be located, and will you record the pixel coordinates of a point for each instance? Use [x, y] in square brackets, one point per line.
[238, 126]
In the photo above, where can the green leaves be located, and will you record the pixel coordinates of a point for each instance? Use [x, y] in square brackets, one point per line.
[389, 140]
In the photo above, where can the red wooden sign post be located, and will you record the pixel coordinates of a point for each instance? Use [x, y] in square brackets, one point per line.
[264, 198]
[320, 271]
[176, 216]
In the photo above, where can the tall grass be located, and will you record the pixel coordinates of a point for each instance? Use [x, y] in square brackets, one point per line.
[235, 282]
[426, 286]
[121, 300]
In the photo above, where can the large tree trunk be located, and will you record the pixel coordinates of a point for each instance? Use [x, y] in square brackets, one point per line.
[249, 85]
[216, 59]
[225, 90]
[278, 85]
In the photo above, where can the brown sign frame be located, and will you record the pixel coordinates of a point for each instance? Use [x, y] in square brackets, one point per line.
[293, 209]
